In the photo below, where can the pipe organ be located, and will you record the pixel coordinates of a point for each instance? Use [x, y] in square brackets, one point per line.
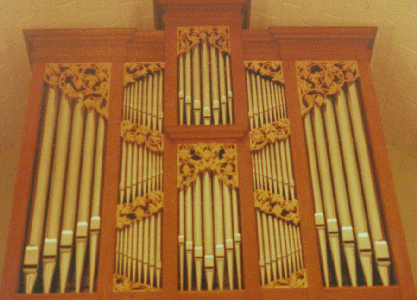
[285, 192]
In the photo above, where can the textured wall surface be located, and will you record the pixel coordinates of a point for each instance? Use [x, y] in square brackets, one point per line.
[394, 66]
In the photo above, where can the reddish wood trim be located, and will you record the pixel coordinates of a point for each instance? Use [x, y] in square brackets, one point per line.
[170, 92]
[57, 296]
[209, 20]
[240, 105]
[213, 295]
[319, 43]
[284, 293]
[324, 32]
[398, 248]
[146, 46]
[170, 223]
[250, 248]
[23, 185]
[211, 10]
[110, 183]
[137, 295]
[206, 132]
[362, 293]
[302, 181]
[77, 45]
[336, 49]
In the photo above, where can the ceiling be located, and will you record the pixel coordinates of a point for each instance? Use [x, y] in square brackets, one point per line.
[394, 67]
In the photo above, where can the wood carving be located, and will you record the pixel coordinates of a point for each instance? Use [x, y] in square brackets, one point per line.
[123, 284]
[322, 80]
[270, 69]
[194, 159]
[135, 71]
[190, 37]
[276, 205]
[140, 208]
[269, 134]
[142, 134]
[88, 81]
[296, 280]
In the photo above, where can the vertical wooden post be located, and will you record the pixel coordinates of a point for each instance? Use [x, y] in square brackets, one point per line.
[302, 179]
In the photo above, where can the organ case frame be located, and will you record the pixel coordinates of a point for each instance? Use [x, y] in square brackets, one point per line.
[288, 45]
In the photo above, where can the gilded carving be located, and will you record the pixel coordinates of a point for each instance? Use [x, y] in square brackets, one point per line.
[190, 37]
[296, 280]
[139, 209]
[123, 284]
[134, 71]
[270, 69]
[88, 81]
[322, 80]
[269, 134]
[194, 159]
[276, 205]
[141, 134]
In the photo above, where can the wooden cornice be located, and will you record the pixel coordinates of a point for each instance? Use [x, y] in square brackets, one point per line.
[204, 12]
[310, 43]
[94, 45]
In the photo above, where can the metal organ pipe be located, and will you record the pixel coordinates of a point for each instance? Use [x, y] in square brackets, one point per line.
[209, 217]
[279, 248]
[139, 241]
[339, 131]
[204, 66]
[68, 177]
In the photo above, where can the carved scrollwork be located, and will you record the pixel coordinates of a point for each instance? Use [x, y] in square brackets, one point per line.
[319, 80]
[134, 71]
[276, 205]
[269, 133]
[296, 280]
[270, 69]
[141, 134]
[123, 284]
[88, 81]
[141, 208]
[194, 159]
[190, 37]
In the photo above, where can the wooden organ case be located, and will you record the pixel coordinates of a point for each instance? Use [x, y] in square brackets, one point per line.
[204, 160]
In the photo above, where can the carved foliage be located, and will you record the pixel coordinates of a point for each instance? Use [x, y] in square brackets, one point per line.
[134, 71]
[139, 209]
[194, 159]
[123, 284]
[190, 37]
[90, 82]
[275, 204]
[318, 81]
[296, 280]
[269, 133]
[141, 134]
[270, 69]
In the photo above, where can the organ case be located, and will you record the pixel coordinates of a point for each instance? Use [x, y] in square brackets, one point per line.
[217, 103]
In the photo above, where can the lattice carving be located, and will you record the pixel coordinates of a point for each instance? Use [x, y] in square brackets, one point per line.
[142, 134]
[190, 37]
[269, 134]
[194, 159]
[276, 205]
[134, 71]
[88, 81]
[296, 280]
[270, 69]
[320, 80]
[141, 208]
[123, 284]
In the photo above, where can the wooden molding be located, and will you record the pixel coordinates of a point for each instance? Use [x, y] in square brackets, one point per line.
[310, 43]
